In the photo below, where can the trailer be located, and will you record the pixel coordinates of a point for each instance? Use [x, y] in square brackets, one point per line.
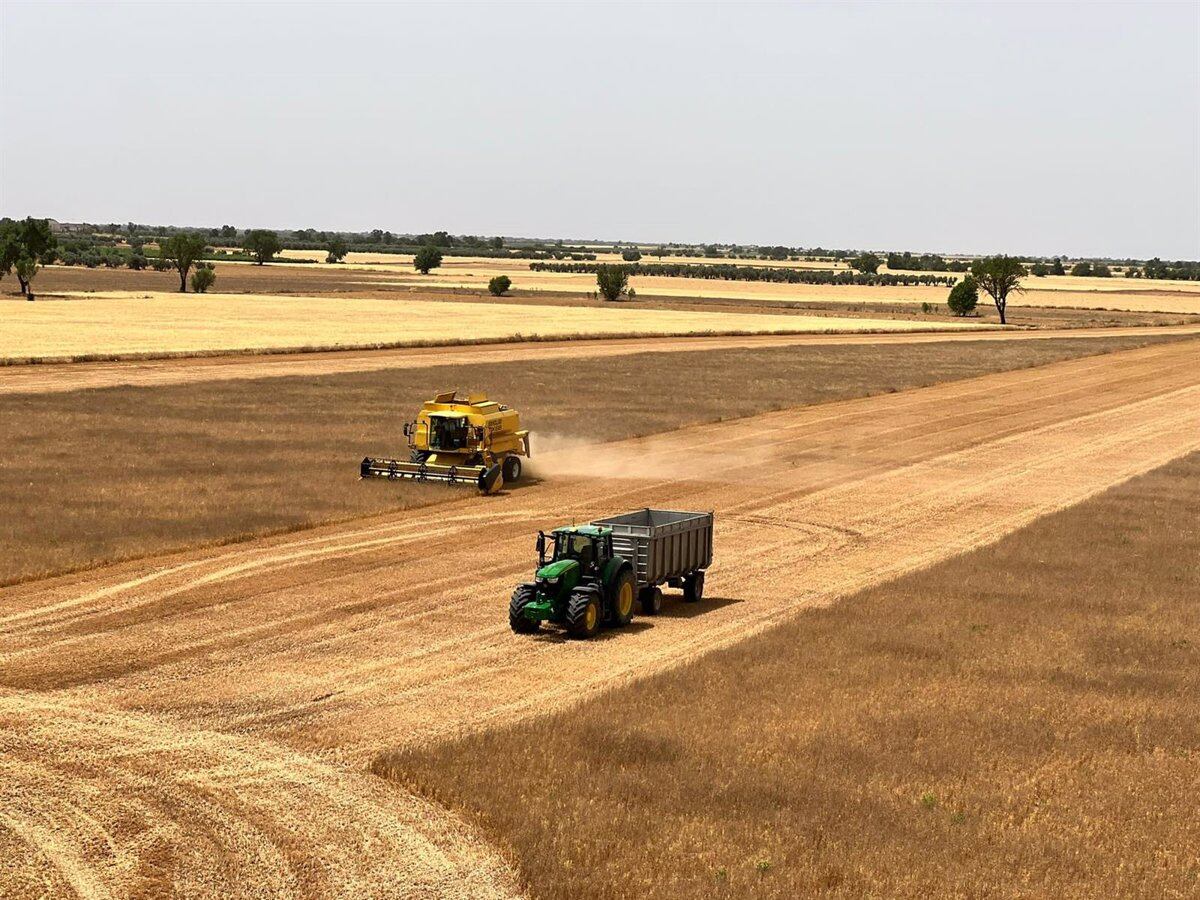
[665, 547]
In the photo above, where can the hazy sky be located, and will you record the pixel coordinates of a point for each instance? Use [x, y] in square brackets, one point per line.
[1033, 128]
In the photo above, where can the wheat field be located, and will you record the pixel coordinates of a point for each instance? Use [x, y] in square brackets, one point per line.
[134, 323]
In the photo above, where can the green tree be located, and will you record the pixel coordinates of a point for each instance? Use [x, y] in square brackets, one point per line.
[611, 281]
[27, 267]
[1101, 271]
[964, 296]
[29, 239]
[428, 257]
[262, 244]
[497, 243]
[1056, 267]
[1083, 268]
[1039, 269]
[181, 250]
[137, 262]
[499, 285]
[999, 276]
[337, 250]
[203, 277]
[867, 263]
[631, 255]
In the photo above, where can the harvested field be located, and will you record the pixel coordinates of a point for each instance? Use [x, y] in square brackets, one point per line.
[1006, 728]
[228, 459]
[345, 641]
[120, 323]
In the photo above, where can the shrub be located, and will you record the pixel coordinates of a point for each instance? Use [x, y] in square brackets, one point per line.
[1082, 268]
[158, 264]
[964, 296]
[631, 255]
[203, 278]
[137, 262]
[91, 258]
[499, 285]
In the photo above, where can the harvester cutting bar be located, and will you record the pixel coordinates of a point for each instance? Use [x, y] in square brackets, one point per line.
[488, 480]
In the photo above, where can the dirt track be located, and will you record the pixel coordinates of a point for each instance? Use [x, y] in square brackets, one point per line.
[235, 695]
[55, 377]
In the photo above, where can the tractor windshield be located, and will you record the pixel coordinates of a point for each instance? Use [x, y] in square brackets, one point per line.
[579, 547]
[447, 434]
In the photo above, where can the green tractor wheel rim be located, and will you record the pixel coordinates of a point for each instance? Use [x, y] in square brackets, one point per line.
[625, 599]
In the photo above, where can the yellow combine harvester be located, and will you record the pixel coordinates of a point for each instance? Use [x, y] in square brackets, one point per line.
[459, 441]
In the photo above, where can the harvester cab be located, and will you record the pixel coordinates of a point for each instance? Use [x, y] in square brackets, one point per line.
[459, 440]
[580, 583]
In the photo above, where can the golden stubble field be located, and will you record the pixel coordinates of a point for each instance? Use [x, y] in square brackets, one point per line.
[134, 323]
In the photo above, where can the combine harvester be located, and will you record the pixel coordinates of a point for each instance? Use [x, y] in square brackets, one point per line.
[594, 571]
[472, 441]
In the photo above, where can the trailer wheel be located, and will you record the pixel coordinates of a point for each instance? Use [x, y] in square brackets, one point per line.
[651, 600]
[583, 613]
[693, 587]
[623, 592]
[512, 469]
[522, 597]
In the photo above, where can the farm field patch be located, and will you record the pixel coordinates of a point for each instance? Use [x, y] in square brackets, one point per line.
[130, 323]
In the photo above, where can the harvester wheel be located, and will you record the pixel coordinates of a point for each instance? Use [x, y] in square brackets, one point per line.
[512, 469]
[419, 456]
[651, 600]
[522, 597]
[583, 613]
[693, 587]
[623, 591]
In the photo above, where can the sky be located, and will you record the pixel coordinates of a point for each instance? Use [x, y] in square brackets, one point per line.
[1034, 129]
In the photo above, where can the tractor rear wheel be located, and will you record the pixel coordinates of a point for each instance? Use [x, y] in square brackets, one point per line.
[693, 587]
[651, 600]
[623, 591]
[522, 597]
[583, 613]
[512, 469]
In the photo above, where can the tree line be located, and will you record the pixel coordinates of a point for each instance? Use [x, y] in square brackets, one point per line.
[730, 272]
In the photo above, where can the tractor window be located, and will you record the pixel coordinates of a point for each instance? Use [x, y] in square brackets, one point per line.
[579, 547]
[447, 434]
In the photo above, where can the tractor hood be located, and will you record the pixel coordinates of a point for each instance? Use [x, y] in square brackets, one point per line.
[556, 569]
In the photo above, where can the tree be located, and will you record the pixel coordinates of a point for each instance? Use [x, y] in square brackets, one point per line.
[30, 239]
[203, 277]
[611, 281]
[1056, 267]
[228, 231]
[867, 263]
[182, 249]
[963, 297]
[1082, 268]
[499, 285]
[1100, 270]
[337, 251]
[1039, 269]
[262, 244]
[428, 257]
[999, 276]
[631, 255]
[137, 262]
[27, 267]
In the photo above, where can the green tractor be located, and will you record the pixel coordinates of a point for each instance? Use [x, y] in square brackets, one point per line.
[582, 586]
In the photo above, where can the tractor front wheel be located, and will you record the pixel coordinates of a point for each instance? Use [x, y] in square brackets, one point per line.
[623, 591]
[512, 469]
[651, 600]
[693, 587]
[521, 598]
[583, 613]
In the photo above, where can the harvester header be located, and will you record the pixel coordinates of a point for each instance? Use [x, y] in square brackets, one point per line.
[459, 440]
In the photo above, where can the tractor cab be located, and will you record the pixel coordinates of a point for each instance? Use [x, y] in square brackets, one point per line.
[587, 545]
